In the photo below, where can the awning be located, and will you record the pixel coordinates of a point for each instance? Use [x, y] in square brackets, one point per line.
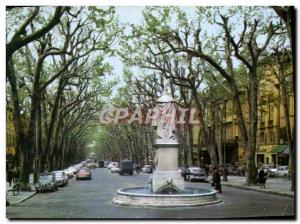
[280, 149]
[286, 151]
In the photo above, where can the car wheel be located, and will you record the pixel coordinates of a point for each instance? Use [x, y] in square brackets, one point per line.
[284, 175]
[131, 173]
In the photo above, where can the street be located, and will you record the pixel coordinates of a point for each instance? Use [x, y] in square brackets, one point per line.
[92, 199]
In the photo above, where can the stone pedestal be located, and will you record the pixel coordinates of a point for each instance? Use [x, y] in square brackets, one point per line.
[166, 175]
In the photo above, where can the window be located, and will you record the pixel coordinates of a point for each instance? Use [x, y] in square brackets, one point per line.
[271, 114]
[283, 135]
[263, 117]
[260, 159]
[272, 137]
[274, 159]
[262, 137]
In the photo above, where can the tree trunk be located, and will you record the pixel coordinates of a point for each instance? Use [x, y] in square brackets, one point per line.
[250, 166]
[39, 143]
[211, 149]
[18, 124]
[54, 118]
[218, 134]
[43, 155]
[290, 137]
[190, 144]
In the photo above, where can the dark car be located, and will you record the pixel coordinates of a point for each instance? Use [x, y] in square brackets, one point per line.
[101, 164]
[46, 182]
[126, 166]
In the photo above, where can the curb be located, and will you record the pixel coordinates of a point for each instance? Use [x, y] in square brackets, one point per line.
[258, 190]
[22, 200]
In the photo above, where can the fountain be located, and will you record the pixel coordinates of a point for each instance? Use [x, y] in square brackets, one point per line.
[167, 188]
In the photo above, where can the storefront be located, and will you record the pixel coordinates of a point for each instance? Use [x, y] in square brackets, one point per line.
[280, 155]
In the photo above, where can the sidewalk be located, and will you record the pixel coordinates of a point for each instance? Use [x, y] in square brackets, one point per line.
[279, 186]
[17, 198]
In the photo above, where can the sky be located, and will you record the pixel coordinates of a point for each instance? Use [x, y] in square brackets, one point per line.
[126, 14]
[132, 15]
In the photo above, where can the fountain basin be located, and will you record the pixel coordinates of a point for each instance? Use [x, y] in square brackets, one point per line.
[142, 196]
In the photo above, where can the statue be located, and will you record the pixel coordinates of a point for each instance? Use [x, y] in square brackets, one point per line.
[165, 120]
[166, 177]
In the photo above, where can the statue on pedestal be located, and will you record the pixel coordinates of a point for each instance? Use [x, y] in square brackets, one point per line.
[166, 177]
[165, 120]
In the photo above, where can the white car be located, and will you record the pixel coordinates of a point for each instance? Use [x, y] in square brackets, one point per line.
[112, 164]
[195, 173]
[147, 169]
[69, 173]
[72, 169]
[115, 169]
[271, 172]
[61, 178]
[282, 171]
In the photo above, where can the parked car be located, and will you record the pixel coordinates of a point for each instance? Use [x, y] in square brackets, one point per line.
[115, 169]
[282, 171]
[73, 169]
[69, 173]
[84, 173]
[240, 171]
[195, 173]
[183, 172]
[46, 182]
[271, 172]
[91, 164]
[147, 169]
[101, 164]
[231, 170]
[112, 164]
[126, 166]
[61, 178]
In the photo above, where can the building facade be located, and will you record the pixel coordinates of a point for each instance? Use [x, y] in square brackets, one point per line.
[272, 146]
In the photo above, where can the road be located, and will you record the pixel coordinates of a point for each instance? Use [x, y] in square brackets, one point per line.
[92, 199]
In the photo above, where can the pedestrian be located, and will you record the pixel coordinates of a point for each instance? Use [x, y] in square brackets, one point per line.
[185, 172]
[217, 180]
[137, 168]
[10, 176]
[206, 170]
[262, 178]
